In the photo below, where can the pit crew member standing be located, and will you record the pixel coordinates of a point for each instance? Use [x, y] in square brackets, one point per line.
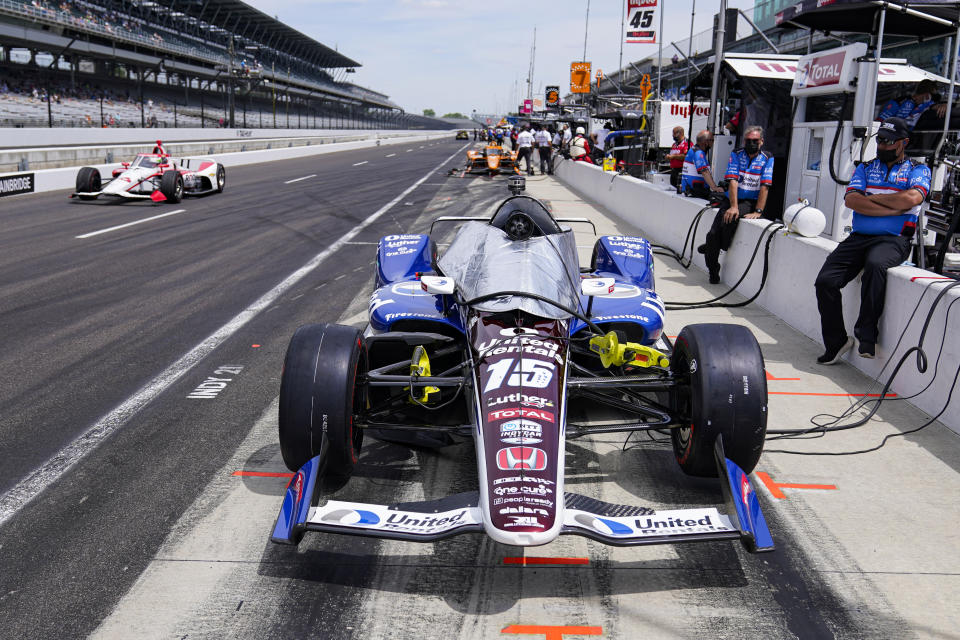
[544, 141]
[885, 195]
[525, 148]
[676, 155]
[697, 181]
[750, 172]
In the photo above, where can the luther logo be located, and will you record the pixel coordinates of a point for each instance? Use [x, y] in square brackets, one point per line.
[514, 458]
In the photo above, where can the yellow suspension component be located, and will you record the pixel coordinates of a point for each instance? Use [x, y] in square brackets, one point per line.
[611, 352]
[420, 368]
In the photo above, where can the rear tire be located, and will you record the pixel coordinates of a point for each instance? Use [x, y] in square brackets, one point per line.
[171, 186]
[319, 396]
[88, 179]
[726, 395]
[221, 178]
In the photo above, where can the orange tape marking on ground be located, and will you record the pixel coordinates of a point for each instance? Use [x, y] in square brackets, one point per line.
[542, 560]
[775, 487]
[262, 474]
[770, 376]
[551, 632]
[842, 395]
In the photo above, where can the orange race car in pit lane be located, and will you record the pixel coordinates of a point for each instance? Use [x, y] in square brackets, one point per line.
[493, 159]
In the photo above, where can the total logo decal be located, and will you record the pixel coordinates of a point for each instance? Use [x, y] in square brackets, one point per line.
[516, 458]
[520, 398]
[521, 432]
[520, 412]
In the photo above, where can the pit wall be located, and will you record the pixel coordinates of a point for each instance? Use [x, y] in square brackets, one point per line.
[789, 292]
[230, 152]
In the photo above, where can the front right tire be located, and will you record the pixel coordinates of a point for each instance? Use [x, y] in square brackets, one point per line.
[88, 180]
[319, 396]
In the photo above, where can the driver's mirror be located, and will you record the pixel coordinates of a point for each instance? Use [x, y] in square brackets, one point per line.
[438, 285]
[597, 286]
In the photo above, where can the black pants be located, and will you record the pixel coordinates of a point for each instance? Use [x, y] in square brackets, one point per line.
[721, 233]
[526, 152]
[874, 255]
[675, 177]
[545, 153]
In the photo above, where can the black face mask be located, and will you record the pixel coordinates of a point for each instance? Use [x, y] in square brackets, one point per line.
[751, 146]
[677, 138]
[887, 155]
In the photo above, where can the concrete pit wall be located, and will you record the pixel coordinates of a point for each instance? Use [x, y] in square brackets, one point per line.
[664, 217]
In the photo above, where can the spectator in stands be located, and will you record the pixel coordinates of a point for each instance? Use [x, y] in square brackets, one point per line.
[676, 155]
[910, 108]
[697, 181]
[750, 176]
[885, 195]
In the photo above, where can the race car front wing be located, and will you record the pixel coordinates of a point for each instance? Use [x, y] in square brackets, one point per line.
[618, 525]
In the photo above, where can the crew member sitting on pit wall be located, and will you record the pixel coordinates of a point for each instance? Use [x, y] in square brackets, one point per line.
[579, 147]
[750, 175]
[910, 109]
[697, 181]
[885, 195]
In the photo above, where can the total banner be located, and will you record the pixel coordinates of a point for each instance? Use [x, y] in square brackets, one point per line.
[641, 21]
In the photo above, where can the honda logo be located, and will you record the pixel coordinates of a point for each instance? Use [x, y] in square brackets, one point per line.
[529, 458]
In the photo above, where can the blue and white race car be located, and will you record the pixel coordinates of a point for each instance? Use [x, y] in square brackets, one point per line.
[506, 340]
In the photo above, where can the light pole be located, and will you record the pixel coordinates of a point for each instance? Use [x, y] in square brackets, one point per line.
[273, 87]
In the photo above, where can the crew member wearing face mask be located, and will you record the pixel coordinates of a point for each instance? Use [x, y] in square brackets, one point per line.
[910, 109]
[885, 195]
[676, 155]
[697, 181]
[750, 176]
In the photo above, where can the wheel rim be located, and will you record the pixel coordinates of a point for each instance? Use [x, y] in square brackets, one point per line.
[179, 189]
[220, 178]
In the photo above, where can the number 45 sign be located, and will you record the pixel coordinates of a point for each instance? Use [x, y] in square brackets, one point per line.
[641, 18]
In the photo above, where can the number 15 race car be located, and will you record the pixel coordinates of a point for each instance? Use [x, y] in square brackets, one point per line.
[507, 340]
[154, 176]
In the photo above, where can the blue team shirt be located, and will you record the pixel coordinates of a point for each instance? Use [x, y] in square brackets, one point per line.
[750, 174]
[693, 163]
[874, 177]
[908, 110]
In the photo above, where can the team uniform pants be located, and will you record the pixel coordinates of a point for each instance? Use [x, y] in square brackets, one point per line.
[526, 153]
[721, 233]
[545, 153]
[874, 255]
[675, 178]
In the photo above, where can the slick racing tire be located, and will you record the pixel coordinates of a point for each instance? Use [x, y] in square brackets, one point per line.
[88, 179]
[319, 396]
[221, 178]
[171, 186]
[723, 391]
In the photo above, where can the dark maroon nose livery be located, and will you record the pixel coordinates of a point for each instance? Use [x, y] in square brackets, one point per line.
[520, 376]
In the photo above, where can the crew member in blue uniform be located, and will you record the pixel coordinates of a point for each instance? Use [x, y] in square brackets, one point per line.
[750, 175]
[697, 181]
[885, 195]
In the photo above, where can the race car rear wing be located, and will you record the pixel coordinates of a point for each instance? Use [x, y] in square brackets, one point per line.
[618, 525]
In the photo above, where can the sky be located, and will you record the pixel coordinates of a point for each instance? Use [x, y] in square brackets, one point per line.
[457, 56]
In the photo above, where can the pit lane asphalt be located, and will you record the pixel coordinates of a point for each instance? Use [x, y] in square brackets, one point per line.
[88, 322]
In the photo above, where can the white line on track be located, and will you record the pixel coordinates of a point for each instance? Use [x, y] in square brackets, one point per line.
[129, 224]
[357, 164]
[17, 497]
[409, 150]
[312, 175]
[390, 155]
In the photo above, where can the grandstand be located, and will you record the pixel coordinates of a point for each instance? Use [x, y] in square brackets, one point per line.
[186, 63]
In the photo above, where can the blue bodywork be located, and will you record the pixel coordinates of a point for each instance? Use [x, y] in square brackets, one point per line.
[296, 504]
[401, 259]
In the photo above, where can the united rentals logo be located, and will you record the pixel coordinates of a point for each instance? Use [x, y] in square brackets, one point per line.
[527, 458]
